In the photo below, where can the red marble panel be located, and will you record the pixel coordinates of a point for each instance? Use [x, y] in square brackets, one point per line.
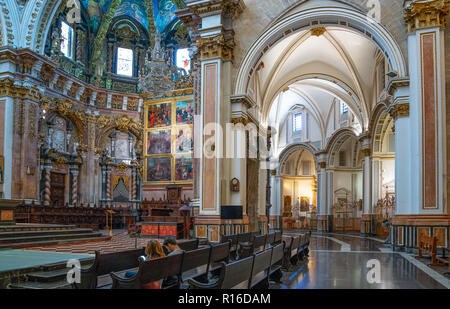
[209, 114]
[429, 120]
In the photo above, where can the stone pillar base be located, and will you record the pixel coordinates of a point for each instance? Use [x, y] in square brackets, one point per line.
[368, 225]
[324, 223]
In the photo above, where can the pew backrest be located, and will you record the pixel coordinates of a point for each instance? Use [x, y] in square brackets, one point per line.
[106, 263]
[261, 267]
[220, 252]
[189, 245]
[295, 244]
[195, 258]
[236, 274]
[277, 255]
[245, 237]
[161, 268]
[270, 239]
[278, 237]
[259, 243]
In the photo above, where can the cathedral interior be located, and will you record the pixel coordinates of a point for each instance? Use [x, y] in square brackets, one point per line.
[281, 144]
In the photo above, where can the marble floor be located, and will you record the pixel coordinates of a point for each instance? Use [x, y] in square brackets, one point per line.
[341, 262]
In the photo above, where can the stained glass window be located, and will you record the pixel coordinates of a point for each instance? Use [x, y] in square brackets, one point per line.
[183, 59]
[66, 39]
[124, 61]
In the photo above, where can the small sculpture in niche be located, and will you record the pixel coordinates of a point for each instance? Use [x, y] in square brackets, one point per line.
[235, 185]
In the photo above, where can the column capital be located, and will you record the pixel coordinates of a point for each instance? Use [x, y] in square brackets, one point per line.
[424, 14]
[218, 46]
[213, 7]
[399, 110]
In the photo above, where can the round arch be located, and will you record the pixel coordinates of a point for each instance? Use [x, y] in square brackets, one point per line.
[349, 19]
[337, 139]
[285, 154]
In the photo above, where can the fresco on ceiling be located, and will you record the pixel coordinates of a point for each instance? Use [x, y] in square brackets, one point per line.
[95, 11]
[164, 12]
[134, 9]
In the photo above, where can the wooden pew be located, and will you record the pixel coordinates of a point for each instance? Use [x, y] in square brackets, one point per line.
[259, 278]
[233, 239]
[219, 253]
[150, 271]
[107, 263]
[290, 251]
[278, 238]
[195, 264]
[428, 245]
[189, 245]
[232, 275]
[276, 263]
[256, 245]
[270, 240]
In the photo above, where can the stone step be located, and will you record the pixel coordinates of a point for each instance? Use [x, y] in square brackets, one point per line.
[4, 235]
[50, 242]
[63, 284]
[35, 227]
[25, 239]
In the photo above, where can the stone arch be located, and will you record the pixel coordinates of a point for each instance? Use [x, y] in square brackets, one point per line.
[353, 20]
[339, 137]
[285, 154]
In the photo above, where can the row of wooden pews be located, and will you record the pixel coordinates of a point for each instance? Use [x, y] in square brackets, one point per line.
[92, 217]
[428, 246]
[213, 266]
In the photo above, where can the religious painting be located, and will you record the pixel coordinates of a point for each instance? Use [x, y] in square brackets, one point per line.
[184, 142]
[159, 142]
[159, 169]
[184, 112]
[134, 9]
[2, 169]
[304, 203]
[159, 115]
[183, 169]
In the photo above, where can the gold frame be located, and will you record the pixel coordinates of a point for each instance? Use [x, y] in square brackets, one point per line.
[172, 128]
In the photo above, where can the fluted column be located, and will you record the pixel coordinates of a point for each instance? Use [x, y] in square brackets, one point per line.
[323, 210]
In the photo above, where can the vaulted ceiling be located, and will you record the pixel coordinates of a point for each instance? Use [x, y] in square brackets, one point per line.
[163, 12]
[313, 68]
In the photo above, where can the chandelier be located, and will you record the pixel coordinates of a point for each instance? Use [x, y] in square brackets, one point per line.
[158, 75]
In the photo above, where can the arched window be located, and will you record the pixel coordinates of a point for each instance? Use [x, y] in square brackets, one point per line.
[124, 61]
[344, 108]
[183, 59]
[66, 40]
[298, 124]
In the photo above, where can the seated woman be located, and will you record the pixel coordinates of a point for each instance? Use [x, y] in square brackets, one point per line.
[154, 250]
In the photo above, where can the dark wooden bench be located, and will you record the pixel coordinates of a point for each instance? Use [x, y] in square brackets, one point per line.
[150, 271]
[259, 278]
[189, 245]
[195, 264]
[290, 251]
[233, 239]
[256, 245]
[232, 275]
[276, 263]
[278, 238]
[219, 253]
[107, 263]
[270, 240]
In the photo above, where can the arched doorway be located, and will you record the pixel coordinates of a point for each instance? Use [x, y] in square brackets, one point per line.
[297, 177]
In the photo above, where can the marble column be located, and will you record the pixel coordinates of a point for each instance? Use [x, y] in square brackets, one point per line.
[323, 210]
[47, 185]
[421, 129]
[368, 224]
[74, 171]
[215, 44]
